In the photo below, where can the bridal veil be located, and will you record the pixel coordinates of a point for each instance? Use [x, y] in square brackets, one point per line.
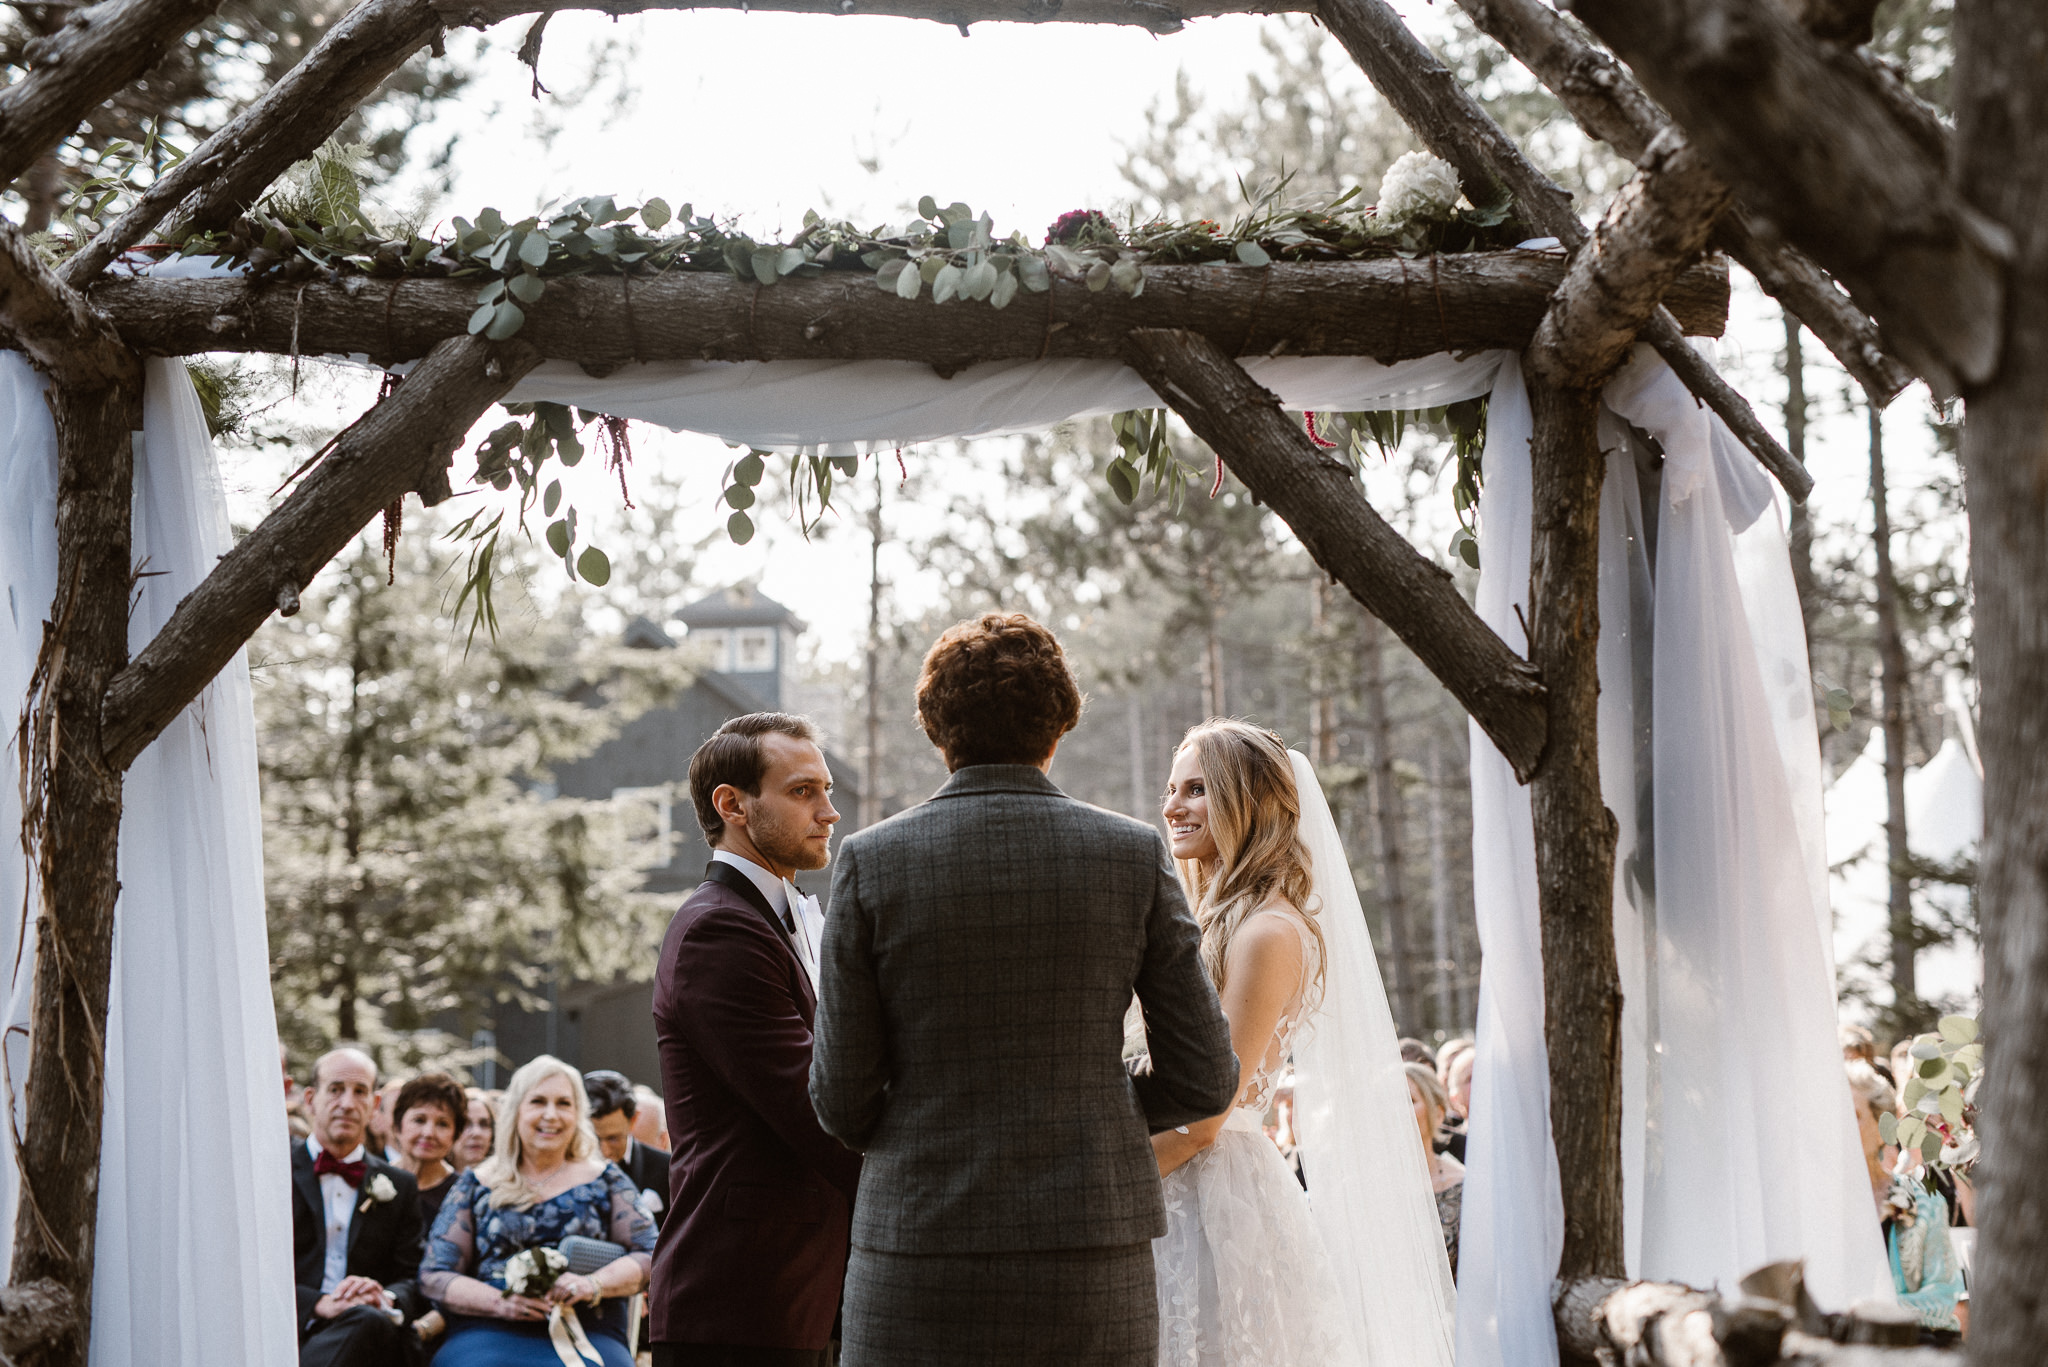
[1368, 1178]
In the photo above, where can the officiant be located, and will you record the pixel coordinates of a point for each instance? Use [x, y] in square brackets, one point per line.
[356, 1229]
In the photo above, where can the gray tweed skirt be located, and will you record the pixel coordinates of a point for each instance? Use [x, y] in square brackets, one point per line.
[1077, 1307]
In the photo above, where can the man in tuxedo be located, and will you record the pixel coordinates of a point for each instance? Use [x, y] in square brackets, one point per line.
[748, 1266]
[357, 1236]
[613, 1108]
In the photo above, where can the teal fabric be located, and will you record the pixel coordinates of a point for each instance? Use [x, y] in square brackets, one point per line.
[1934, 1294]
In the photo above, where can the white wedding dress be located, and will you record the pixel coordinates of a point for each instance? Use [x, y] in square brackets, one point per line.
[1253, 1271]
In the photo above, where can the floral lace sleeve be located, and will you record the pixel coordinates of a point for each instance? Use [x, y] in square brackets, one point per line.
[451, 1245]
[630, 1225]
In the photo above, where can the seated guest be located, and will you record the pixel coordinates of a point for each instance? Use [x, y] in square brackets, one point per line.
[383, 1136]
[612, 1110]
[480, 1134]
[356, 1229]
[543, 1182]
[429, 1116]
[1415, 1051]
[1446, 1174]
[650, 1122]
[1454, 1069]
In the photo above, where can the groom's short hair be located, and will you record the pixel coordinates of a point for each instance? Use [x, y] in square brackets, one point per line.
[734, 755]
[997, 690]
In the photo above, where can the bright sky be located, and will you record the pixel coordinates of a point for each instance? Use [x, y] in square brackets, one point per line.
[765, 115]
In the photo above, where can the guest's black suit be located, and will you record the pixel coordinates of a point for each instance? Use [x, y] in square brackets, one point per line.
[386, 1240]
[647, 1167]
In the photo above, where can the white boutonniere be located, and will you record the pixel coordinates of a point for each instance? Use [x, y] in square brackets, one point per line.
[379, 1189]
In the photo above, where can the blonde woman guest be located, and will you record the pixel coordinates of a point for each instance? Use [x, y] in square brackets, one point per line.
[1454, 1068]
[1245, 1277]
[479, 1131]
[543, 1182]
[1446, 1174]
[1874, 1097]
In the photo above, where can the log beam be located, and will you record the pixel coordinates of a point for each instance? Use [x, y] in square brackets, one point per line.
[96, 51]
[1605, 98]
[395, 448]
[1390, 310]
[1320, 499]
[1870, 202]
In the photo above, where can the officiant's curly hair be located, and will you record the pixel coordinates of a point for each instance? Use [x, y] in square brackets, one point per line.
[1255, 817]
[499, 1173]
[996, 690]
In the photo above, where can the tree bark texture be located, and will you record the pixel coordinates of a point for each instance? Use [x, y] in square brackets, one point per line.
[1320, 499]
[1653, 230]
[1799, 521]
[225, 174]
[71, 832]
[1452, 125]
[405, 442]
[1892, 687]
[1389, 310]
[1869, 200]
[1575, 833]
[1389, 821]
[1599, 92]
[1154, 17]
[95, 52]
[2002, 135]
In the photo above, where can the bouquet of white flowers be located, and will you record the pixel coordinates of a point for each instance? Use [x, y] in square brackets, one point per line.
[534, 1271]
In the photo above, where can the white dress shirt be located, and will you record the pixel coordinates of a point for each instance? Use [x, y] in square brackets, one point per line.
[340, 1200]
[782, 895]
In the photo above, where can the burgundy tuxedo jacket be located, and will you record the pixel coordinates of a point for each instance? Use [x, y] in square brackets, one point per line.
[753, 1251]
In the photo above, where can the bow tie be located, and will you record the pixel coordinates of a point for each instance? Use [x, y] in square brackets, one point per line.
[351, 1173]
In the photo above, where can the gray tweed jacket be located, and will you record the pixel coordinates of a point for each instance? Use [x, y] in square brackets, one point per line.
[978, 958]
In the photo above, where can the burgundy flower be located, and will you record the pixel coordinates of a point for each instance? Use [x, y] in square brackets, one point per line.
[1081, 224]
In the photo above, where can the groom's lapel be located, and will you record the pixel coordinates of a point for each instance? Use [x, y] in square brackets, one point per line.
[726, 876]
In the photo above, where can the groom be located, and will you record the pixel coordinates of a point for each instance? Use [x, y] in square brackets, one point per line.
[977, 965]
[748, 1264]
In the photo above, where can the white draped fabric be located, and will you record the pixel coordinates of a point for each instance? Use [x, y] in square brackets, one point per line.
[1739, 1138]
[193, 1263]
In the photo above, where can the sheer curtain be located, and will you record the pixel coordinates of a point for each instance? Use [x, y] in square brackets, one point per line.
[1738, 1135]
[193, 1263]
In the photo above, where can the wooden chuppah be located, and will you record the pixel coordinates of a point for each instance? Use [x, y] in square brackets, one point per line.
[95, 710]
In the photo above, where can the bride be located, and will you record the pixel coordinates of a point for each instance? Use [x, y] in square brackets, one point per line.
[1252, 1271]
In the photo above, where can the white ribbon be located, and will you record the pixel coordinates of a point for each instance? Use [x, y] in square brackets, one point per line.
[565, 1332]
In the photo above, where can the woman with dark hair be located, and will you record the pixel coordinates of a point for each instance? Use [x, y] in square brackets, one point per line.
[479, 1131]
[427, 1120]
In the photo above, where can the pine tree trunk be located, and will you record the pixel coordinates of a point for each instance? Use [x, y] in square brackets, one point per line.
[1448, 1018]
[2002, 166]
[871, 764]
[1390, 817]
[1322, 701]
[1908, 1014]
[1800, 532]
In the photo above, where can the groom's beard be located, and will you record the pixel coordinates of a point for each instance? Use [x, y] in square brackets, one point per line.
[784, 841]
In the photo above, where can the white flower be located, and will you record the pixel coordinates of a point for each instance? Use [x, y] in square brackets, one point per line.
[532, 1271]
[1418, 185]
[381, 1189]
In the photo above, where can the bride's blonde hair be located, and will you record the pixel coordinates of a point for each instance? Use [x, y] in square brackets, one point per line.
[1255, 819]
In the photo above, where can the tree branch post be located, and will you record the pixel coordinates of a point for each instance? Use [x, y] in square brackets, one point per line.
[71, 808]
[1319, 498]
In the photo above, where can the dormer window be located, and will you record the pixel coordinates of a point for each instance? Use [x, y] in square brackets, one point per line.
[754, 650]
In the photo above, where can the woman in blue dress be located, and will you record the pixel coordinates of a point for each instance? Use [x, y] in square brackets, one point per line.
[543, 1182]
